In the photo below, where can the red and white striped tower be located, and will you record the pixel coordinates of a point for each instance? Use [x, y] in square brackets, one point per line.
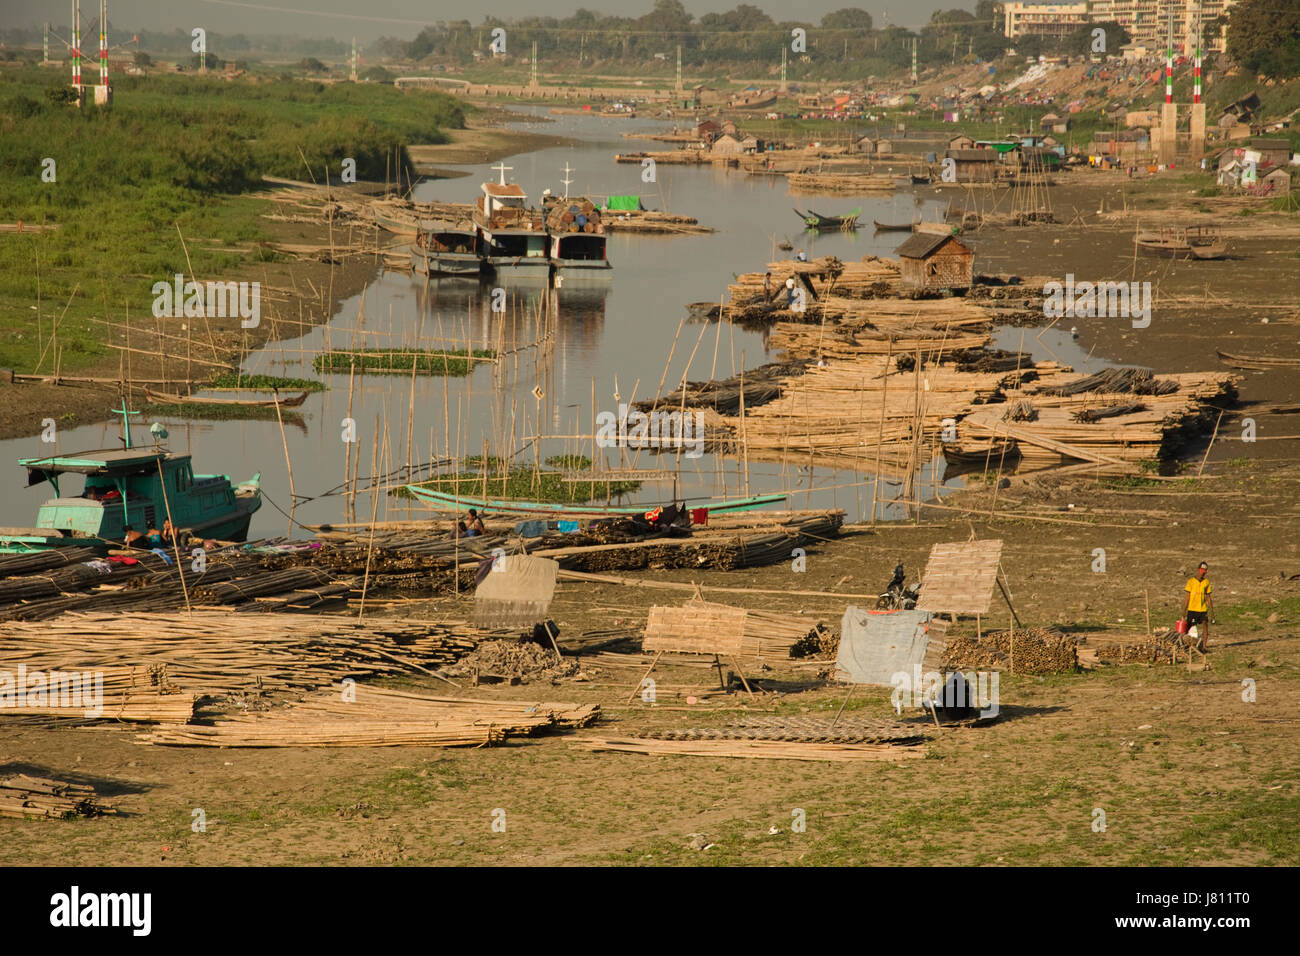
[1198, 105]
[103, 43]
[1168, 143]
[76, 44]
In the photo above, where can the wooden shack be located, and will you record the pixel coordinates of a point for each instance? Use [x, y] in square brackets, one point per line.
[930, 262]
[961, 141]
[728, 145]
[1275, 151]
[974, 165]
[1275, 182]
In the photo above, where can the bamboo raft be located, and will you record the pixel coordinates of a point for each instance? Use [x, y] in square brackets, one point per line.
[376, 717]
[841, 182]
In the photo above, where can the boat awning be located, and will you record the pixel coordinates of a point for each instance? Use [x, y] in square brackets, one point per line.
[624, 203]
[108, 462]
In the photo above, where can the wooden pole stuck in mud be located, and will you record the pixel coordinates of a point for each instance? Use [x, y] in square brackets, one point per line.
[288, 462]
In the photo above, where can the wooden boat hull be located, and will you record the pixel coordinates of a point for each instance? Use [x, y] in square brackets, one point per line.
[166, 398]
[1256, 362]
[445, 501]
[445, 263]
[891, 227]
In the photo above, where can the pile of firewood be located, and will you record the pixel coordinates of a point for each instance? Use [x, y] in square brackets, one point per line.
[1033, 650]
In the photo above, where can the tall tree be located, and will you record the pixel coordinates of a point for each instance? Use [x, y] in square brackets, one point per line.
[849, 18]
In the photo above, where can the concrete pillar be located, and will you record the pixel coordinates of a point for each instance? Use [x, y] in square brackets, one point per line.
[1168, 144]
[1198, 131]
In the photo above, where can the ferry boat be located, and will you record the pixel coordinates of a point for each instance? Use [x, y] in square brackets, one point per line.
[447, 249]
[513, 236]
[131, 487]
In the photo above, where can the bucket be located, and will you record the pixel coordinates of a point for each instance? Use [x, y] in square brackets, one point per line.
[1181, 626]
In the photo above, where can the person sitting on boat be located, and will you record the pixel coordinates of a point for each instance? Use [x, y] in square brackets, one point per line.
[169, 532]
[131, 538]
[154, 539]
[459, 531]
[801, 256]
[474, 527]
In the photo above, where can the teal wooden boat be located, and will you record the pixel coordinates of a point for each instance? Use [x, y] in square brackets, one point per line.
[124, 487]
[443, 501]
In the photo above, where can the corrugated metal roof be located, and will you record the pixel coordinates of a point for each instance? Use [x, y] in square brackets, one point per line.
[973, 155]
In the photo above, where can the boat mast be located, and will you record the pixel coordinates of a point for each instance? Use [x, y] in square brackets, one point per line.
[126, 422]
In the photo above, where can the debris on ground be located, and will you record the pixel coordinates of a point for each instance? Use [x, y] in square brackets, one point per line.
[515, 661]
[1036, 650]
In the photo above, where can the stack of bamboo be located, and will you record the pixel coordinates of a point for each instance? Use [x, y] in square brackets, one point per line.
[855, 414]
[862, 279]
[838, 182]
[25, 796]
[143, 694]
[768, 634]
[216, 653]
[1114, 443]
[363, 716]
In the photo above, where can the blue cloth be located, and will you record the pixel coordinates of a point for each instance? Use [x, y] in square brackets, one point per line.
[568, 527]
[162, 554]
[530, 529]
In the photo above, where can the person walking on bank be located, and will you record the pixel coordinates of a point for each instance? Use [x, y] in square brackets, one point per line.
[1198, 611]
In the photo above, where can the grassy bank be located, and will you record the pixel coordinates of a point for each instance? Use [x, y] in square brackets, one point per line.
[173, 155]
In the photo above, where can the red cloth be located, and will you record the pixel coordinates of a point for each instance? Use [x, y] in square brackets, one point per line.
[699, 516]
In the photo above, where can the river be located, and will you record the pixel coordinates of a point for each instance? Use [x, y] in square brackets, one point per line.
[609, 342]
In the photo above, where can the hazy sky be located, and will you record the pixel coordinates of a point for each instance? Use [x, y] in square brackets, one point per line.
[368, 19]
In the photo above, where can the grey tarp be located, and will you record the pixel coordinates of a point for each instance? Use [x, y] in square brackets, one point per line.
[876, 645]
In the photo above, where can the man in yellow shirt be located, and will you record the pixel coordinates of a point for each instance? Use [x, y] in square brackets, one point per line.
[1198, 611]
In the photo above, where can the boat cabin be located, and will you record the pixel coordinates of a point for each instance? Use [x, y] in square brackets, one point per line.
[134, 487]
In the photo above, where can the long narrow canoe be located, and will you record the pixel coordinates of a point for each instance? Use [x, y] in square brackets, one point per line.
[1257, 361]
[444, 501]
[167, 398]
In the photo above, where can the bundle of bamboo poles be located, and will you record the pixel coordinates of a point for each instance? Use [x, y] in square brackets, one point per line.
[14, 564]
[838, 182]
[861, 413]
[864, 278]
[26, 796]
[373, 717]
[766, 633]
[1115, 443]
[215, 653]
[116, 693]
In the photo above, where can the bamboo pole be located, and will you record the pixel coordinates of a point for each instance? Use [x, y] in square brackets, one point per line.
[176, 548]
[288, 462]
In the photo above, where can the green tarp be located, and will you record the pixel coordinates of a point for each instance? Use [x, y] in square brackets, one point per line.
[624, 203]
